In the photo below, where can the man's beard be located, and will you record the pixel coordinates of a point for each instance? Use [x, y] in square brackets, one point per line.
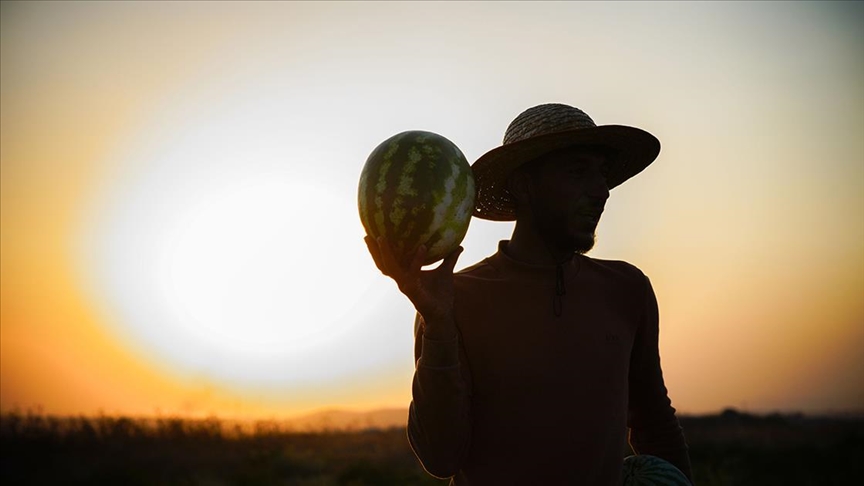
[561, 239]
[580, 243]
[584, 242]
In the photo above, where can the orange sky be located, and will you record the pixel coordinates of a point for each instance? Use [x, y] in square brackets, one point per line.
[149, 153]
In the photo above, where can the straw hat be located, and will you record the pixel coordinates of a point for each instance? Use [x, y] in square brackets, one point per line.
[546, 128]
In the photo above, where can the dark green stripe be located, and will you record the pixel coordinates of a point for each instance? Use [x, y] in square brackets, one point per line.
[372, 171]
[439, 167]
[362, 199]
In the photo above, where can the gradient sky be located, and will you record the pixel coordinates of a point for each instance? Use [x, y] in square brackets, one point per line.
[178, 191]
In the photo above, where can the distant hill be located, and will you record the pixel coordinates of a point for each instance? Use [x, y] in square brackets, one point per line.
[342, 420]
[350, 421]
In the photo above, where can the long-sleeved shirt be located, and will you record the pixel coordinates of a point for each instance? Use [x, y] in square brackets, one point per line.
[534, 391]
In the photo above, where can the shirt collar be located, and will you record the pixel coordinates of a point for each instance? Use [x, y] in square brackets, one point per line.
[529, 272]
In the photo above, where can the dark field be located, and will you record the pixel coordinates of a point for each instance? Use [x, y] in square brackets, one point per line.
[727, 449]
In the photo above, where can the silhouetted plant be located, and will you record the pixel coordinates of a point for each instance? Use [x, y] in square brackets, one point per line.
[727, 449]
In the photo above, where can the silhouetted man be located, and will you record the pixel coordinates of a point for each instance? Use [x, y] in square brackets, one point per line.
[532, 364]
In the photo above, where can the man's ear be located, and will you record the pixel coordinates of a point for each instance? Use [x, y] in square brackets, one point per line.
[518, 184]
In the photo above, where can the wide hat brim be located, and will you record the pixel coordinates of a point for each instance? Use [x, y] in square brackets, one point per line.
[635, 149]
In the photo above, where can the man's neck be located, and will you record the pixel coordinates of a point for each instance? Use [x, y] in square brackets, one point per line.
[528, 246]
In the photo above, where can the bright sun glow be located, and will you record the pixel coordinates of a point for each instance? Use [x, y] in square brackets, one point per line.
[220, 251]
[245, 268]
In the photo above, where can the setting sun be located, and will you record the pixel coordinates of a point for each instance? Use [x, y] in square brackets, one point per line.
[230, 283]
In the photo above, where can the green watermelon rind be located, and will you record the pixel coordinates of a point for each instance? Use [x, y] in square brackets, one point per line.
[417, 188]
[648, 470]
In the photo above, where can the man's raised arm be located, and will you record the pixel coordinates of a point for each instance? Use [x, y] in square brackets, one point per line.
[439, 427]
[438, 420]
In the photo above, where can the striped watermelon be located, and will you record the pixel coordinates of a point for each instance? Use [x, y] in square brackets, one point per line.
[646, 470]
[417, 189]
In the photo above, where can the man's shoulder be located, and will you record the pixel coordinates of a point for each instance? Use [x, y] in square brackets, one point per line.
[480, 269]
[615, 268]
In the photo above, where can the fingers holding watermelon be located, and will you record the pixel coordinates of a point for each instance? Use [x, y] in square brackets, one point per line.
[386, 258]
[431, 291]
[372, 245]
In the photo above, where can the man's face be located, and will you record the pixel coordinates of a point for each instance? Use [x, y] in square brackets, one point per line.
[568, 192]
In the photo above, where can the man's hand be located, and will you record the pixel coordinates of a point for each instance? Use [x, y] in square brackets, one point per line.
[431, 291]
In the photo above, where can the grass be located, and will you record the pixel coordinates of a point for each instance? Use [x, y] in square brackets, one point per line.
[742, 449]
[727, 449]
